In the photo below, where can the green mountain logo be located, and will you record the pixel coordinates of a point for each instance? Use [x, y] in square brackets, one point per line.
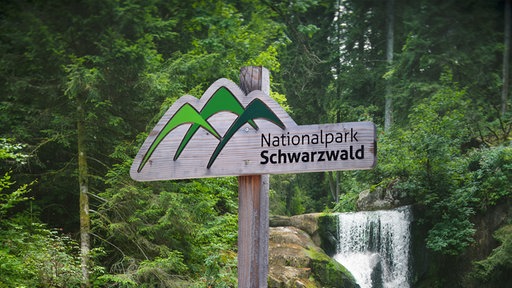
[221, 101]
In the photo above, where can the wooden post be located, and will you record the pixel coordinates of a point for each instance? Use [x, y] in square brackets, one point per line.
[253, 204]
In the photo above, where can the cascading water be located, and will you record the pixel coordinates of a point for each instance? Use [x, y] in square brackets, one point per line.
[374, 246]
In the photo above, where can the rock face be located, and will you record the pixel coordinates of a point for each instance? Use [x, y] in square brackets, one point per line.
[382, 198]
[295, 258]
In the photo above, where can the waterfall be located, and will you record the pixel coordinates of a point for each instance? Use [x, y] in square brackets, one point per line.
[374, 246]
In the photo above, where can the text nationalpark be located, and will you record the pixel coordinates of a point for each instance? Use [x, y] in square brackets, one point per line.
[325, 140]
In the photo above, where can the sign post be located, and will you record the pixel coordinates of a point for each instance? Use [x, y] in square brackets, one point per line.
[253, 204]
[240, 131]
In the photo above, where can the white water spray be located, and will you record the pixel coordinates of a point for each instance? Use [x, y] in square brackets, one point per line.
[374, 246]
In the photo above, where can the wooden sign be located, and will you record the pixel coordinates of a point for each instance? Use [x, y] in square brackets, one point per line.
[227, 133]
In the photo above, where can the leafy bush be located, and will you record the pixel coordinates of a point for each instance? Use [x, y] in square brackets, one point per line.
[490, 175]
[34, 256]
[166, 234]
[31, 255]
[427, 157]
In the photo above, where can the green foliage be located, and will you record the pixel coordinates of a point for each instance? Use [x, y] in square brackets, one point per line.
[31, 255]
[424, 150]
[490, 176]
[350, 184]
[304, 60]
[287, 197]
[161, 272]
[220, 268]
[8, 198]
[427, 157]
[167, 232]
[498, 130]
[453, 232]
[347, 202]
[484, 181]
[34, 256]
[436, 36]
[12, 152]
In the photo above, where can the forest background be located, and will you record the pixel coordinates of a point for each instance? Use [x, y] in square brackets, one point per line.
[83, 82]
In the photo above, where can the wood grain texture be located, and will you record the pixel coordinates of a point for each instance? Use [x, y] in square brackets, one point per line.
[253, 230]
[253, 206]
[242, 155]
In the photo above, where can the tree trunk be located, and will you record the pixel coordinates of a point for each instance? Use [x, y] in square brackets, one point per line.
[388, 106]
[334, 184]
[506, 58]
[83, 182]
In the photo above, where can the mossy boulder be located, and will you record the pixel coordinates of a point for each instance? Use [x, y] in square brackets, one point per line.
[329, 272]
[295, 258]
